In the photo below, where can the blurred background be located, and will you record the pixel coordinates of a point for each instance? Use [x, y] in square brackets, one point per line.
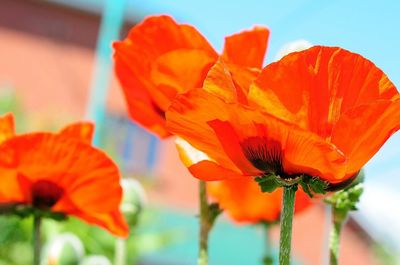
[56, 67]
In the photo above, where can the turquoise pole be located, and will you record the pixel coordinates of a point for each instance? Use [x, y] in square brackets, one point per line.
[111, 24]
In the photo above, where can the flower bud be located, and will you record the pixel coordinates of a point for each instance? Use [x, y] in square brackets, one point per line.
[134, 197]
[65, 249]
[95, 260]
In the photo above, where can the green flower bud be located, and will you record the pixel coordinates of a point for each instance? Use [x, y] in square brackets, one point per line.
[65, 249]
[95, 260]
[134, 198]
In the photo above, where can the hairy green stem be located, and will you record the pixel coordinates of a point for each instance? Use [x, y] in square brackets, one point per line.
[37, 222]
[205, 225]
[268, 256]
[285, 242]
[334, 238]
[120, 251]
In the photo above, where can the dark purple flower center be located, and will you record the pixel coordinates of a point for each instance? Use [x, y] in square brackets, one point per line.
[45, 194]
[265, 154]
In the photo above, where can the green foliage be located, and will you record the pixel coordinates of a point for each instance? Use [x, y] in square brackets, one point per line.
[268, 183]
[313, 186]
[268, 261]
[9, 102]
[344, 201]
[310, 185]
[386, 255]
[16, 247]
[214, 212]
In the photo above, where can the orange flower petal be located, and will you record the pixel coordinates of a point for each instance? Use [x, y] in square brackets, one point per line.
[161, 34]
[247, 48]
[78, 169]
[361, 131]
[188, 117]
[200, 165]
[179, 70]
[208, 171]
[243, 200]
[312, 88]
[81, 130]
[220, 130]
[112, 221]
[141, 107]
[130, 65]
[11, 190]
[231, 144]
[151, 66]
[188, 154]
[7, 127]
[230, 82]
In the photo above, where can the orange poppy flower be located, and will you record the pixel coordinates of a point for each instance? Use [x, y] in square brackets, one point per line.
[243, 200]
[62, 173]
[160, 58]
[322, 112]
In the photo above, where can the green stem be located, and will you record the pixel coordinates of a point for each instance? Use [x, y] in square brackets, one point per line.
[37, 221]
[120, 251]
[268, 257]
[205, 225]
[334, 239]
[285, 243]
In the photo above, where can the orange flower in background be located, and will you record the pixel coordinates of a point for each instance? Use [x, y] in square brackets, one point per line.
[63, 173]
[160, 58]
[322, 112]
[243, 200]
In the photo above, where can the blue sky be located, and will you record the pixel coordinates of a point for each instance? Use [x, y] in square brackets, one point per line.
[366, 27]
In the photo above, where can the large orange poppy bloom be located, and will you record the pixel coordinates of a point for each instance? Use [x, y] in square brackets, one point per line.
[322, 112]
[61, 172]
[160, 58]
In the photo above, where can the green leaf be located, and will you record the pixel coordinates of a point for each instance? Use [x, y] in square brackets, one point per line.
[312, 185]
[345, 201]
[267, 183]
[214, 212]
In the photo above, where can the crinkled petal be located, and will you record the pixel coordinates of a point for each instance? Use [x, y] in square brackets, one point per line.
[150, 75]
[361, 131]
[230, 82]
[141, 107]
[179, 70]
[188, 116]
[220, 130]
[312, 88]
[82, 131]
[247, 48]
